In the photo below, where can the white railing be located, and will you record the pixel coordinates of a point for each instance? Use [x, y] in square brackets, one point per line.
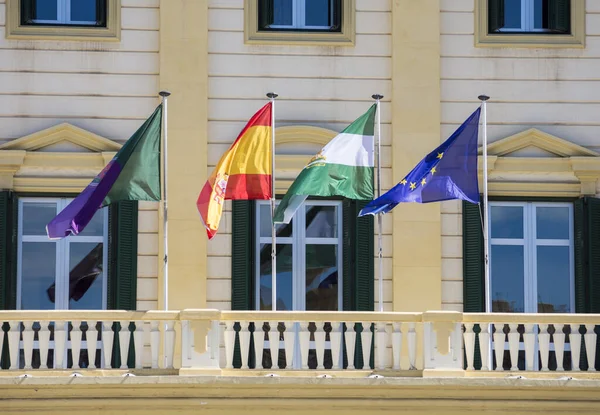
[229, 342]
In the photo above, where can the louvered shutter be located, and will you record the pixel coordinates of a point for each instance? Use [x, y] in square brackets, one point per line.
[473, 261]
[580, 235]
[495, 15]
[8, 264]
[28, 12]
[101, 12]
[593, 250]
[336, 21]
[242, 255]
[265, 14]
[559, 16]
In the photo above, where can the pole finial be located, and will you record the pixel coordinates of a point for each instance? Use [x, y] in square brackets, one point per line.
[377, 96]
[164, 94]
[272, 95]
[483, 97]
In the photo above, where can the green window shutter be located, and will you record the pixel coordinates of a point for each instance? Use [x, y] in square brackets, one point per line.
[593, 252]
[101, 12]
[336, 21]
[242, 255]
[587, 255]
[559, 16]
[580, 235]
[27, 11]
[8, 263]
[473, 262]
[495, 15]
[265, 14]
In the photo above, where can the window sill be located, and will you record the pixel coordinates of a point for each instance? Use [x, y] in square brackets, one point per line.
[505, 40]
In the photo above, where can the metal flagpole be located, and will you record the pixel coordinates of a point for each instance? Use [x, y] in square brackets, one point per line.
[486, 247]
[272, 96]
[377, 98]
[164, 95]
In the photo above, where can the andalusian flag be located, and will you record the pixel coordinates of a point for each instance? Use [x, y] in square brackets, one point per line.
[133, 174]
[243, 173]
[344, 167]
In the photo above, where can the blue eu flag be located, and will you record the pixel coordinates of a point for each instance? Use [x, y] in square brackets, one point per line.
[448, 172]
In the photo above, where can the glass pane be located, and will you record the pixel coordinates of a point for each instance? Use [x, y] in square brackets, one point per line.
[96, 225]
[284, 277]
[36, 216]
[83, 10]
[321, 222]
[45, 10]
[318, 13]
[540, 14]
[38, 271]
[552, 222]
[554, 279]
[512, 14]
[321, 277]
[86, 276]
[283, 12]
[283, 230]
[506, 222]
[508, 279]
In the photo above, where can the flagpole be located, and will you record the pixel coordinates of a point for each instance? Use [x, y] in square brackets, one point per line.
[486, 247]
[377, 98]
[164, 95]
[272, 96]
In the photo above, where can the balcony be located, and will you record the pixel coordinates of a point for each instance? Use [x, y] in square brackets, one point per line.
[298, 344]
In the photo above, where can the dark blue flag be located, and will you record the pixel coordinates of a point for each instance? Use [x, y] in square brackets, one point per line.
[448, 172]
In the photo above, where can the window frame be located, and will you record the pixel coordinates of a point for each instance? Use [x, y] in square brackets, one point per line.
[63, 18]
[62, 249]
[111, 32]
[530, 242]
[320, 37]
[299, 18]
[299, 240]
[533, 39]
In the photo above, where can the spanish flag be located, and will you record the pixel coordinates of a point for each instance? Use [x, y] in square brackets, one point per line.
[243, 173]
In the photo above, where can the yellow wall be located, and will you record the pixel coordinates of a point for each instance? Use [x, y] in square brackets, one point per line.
[415, 129]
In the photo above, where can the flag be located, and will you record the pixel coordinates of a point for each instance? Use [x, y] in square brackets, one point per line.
[448, 172]
[133, 174]
[344, 167]
[243, 173]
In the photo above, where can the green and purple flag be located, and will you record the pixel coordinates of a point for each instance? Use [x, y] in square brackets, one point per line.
[133, 174]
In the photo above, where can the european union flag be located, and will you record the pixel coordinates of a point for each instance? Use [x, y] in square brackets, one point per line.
[448, 172]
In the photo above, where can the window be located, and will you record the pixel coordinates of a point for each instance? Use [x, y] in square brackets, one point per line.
[309, 258]
[534, 23]
[531, 254]
[63, 19]
[300, 21]
[68, 273]
[64, 12]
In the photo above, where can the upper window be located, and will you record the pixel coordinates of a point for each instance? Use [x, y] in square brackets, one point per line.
[63, 19]
[533, 23]
[300, 21]
[64, 12]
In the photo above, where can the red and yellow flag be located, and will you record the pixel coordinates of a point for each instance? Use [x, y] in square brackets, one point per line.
[243, 173]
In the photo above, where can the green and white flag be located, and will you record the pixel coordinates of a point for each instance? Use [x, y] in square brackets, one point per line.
[344, 167]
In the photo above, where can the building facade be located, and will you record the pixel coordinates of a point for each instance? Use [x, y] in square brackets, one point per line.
[77, 78]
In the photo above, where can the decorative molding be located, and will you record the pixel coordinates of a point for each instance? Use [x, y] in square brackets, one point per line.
[346, 37]
[518, 40]
[110, 33]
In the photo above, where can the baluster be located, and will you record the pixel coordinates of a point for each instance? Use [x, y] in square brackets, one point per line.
[469, 337]
[154, 343]
[544, 341]
[575, 340]
[289, 344]
[1, 341]
[229, 343]
[107, 342]
[44, 344]
[513, 346]
[412, 346]
[170, 343]
[529, 340]
[244, 335]
[124, 336]
[76, 343]
[397, 345]
[13, 344]
[559, 346]
[335, 341]
[274, 344]
[484, 347]
[304, 343]
[91, 338]
[350, 338]
[28, 342]
[590, 347]
[60, 343]
[259, 344]
[366, 338]
[138, 343]
[380, 345]
[320, 344]
[499, 339]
